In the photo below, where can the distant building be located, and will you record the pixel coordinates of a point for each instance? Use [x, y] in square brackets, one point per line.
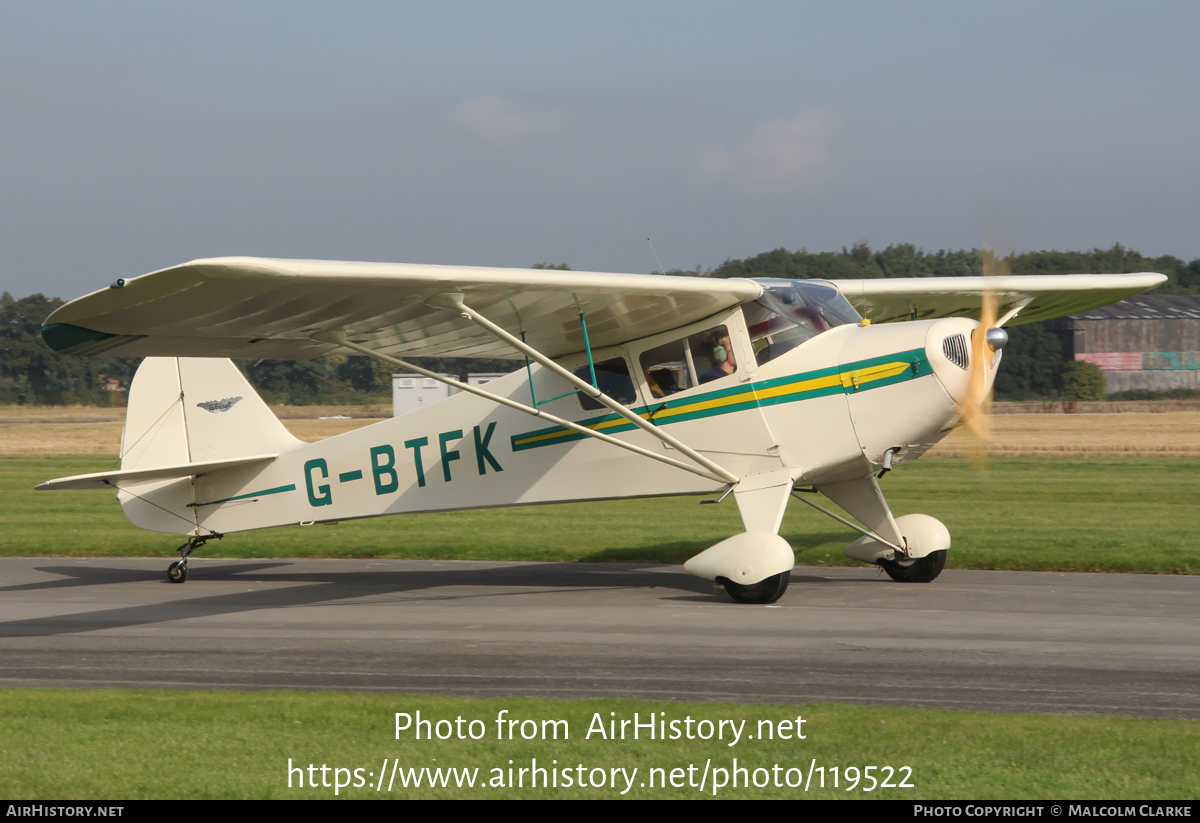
[1146, 342]
[413, 391]
[483, 377]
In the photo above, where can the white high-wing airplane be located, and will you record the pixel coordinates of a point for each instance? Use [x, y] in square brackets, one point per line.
[632, 386]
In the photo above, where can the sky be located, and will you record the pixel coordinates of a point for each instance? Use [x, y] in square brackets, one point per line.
[139, 135]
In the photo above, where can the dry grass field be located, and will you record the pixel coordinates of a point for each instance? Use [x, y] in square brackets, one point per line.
[1131, 434]
[26, 431]
[90, 414]
[42, 430]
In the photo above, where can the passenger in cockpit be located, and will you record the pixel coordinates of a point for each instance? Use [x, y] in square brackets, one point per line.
[662, 382]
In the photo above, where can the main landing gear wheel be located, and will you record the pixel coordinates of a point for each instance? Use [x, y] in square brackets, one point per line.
[766, 591]
[177, 571]
[921, 570]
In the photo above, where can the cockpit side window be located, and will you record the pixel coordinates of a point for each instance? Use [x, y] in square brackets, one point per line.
[712, 352]
[688, 362]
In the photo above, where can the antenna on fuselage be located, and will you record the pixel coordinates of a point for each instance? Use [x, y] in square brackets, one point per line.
[656, 260]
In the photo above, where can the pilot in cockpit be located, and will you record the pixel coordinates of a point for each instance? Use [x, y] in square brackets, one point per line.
[721, 361]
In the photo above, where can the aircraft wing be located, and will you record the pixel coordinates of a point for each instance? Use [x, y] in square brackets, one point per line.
[1038, 296]
[262, 308]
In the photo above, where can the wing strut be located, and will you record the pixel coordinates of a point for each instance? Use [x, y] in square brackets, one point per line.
[1014, 311]
[455, 301]
[340, 339]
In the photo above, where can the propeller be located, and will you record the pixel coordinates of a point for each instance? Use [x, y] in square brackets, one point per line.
[985, 342]
[977, 414]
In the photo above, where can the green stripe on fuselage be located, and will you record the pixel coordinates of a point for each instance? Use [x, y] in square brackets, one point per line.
[789, 389]
[263, 493]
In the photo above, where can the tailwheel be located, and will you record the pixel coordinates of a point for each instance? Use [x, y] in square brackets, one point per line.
[921, 570]
[765, 591]
[177, 572]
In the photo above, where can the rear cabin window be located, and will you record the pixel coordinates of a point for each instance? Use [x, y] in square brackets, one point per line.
[690, 361]
[669, 368]
[612, 378]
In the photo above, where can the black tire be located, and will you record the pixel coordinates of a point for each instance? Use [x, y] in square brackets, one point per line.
[916, 571]
[766, 591]
[177, 572]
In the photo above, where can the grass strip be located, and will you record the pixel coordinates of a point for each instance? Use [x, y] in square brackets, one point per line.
[1110, 514]
[116, 744]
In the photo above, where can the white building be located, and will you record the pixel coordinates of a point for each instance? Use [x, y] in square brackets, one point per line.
[412, 391]
[483, 377]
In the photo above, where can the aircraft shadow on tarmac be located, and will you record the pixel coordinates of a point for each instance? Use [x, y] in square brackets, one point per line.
[318, 588]
[676, 552]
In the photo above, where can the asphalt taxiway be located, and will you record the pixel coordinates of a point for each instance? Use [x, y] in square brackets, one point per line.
[1001, 641]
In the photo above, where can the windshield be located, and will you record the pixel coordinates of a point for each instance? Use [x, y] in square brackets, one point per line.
[790, 312]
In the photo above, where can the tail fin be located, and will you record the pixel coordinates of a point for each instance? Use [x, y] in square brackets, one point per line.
[193, 409]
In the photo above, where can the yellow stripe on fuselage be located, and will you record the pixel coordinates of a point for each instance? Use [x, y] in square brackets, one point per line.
[798, 388]
[857, 377]
[867, 375]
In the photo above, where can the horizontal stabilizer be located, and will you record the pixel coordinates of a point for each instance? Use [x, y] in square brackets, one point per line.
[103, 480]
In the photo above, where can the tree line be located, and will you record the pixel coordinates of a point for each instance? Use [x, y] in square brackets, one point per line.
[31, 373]
[907, 260]
[1033, 365]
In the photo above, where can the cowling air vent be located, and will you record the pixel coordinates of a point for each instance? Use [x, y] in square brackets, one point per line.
[955, 349]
